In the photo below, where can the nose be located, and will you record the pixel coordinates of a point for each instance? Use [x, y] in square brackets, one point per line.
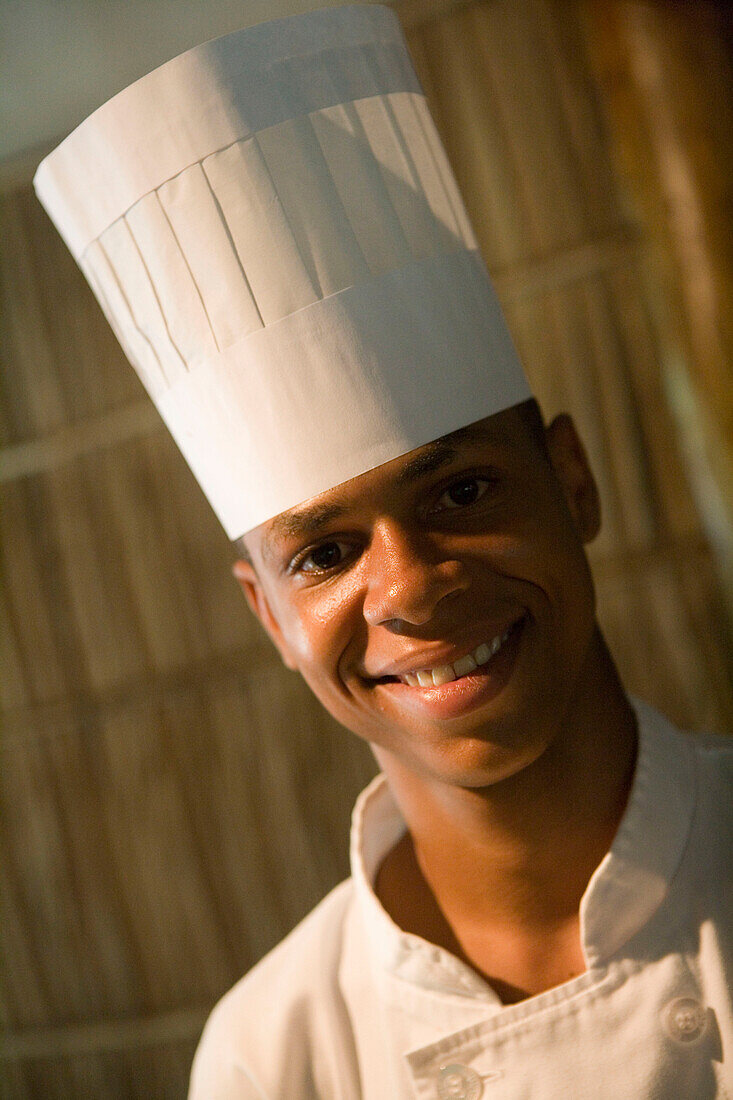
[408, 577]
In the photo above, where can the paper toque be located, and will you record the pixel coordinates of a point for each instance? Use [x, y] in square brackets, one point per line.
[272, 229]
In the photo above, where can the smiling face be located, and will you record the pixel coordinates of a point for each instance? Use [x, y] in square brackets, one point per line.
[441, 605]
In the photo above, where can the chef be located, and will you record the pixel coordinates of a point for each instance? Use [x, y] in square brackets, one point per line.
[540, 903]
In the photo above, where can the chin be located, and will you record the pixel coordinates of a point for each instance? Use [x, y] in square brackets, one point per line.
[471, 761]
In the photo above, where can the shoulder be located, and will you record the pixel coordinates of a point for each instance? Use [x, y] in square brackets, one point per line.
[710, 837]
[310, 952]
[711, 754]
[684, 784]
[714, 760]
[262, 1033]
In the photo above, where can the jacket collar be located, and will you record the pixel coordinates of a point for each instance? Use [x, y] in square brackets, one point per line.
[623, 894]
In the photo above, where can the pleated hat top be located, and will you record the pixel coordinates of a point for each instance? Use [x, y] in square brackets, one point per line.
[272, 229]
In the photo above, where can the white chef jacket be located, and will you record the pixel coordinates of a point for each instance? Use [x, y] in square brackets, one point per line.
[349, 1006]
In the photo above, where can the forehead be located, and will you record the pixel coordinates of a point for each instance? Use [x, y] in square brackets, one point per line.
[498, 433]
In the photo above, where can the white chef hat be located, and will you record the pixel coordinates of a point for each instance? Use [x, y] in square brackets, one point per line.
[274, 233]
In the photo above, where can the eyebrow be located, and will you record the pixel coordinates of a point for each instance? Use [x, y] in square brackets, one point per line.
[441, 452]
[307, 521]
[428, 459]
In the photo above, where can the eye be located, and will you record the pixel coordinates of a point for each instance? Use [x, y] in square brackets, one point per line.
[463, 493]
[321, 558]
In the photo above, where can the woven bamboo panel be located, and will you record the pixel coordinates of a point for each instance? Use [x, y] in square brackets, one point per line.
[666, 79]
[173, 799]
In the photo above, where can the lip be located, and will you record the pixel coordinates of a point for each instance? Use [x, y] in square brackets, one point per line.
[447, 655]
[460, 697]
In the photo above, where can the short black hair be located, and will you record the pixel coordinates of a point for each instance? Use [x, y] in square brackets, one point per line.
[241, 550]
[531, 414]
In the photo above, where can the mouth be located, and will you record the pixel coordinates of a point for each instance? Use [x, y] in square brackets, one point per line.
[463, 687]
[464, 666]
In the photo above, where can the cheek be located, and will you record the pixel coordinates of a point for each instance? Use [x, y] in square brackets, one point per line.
[549, 557]
[318, 628]
[568, 586]
[297, 638]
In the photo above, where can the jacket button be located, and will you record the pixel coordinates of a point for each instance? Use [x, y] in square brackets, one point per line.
[685, 1020]
[456, 1082]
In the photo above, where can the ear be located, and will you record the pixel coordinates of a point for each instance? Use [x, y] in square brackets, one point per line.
[571, 466]
[245, 573]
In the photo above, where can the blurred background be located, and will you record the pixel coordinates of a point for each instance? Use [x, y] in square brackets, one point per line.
[173, 800]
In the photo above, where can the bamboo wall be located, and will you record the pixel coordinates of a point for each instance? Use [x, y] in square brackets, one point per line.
[173, 799]
[665, 75]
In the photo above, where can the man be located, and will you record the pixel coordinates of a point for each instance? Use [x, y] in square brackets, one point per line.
[540, 903]
[441, 607]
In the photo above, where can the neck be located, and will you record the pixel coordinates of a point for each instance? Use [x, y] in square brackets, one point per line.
[514, 858]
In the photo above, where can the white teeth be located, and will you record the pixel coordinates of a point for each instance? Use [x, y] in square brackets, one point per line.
[443, 674]
[464, 665]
